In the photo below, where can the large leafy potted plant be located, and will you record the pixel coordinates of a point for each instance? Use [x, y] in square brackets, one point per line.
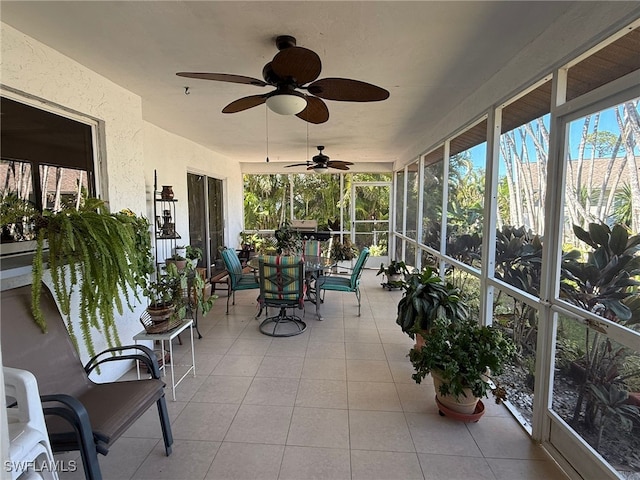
[426, 298]
[394, 271]
[462, 356]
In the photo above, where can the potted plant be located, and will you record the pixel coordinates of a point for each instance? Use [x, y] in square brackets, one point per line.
[103, 256]
[343, 251]
[288, 241]
[180, 250]
[426, 298]
[461, 356]
[178, 260]
[393, 271]
[193, 255]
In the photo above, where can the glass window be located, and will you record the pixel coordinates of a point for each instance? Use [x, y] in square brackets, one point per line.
[400, 202]
[413, 185]
[466, 195]
[432, 193]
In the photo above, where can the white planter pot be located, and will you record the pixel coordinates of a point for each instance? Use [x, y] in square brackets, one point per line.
[461, 404]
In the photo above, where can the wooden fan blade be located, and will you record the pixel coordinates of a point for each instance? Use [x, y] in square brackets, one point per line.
[337, 166]
[316, 111]
[301, 64]
[224, 77]
[333, 163]
[245, 103]
[346, 90]
[298, 165]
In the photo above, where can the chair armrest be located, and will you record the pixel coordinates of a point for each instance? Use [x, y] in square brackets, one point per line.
[144, 355]
[73, 412]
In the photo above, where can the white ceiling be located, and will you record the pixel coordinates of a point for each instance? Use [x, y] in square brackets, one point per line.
[429, 55]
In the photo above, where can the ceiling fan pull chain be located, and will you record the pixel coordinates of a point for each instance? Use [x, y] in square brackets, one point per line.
[266, 116]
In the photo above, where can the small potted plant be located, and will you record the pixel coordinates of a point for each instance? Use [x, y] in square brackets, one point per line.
[461, 356]
[288, 240]
[426, 298]
[394, 271]
[193, 255]
[341, 252]
[178, 260]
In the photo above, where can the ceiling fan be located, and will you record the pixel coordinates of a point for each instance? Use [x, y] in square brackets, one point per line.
[289, 72]
[321, 163]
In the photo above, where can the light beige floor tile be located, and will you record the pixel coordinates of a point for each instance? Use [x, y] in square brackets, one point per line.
[243, 346]
[124, 458]
[417, 398]
[432, 433]
[402, 371]
[238, 365]
[361, 333]
[222, 389]
[204, 421]
[189, 460]
[327, 332]
[309, 463]
[387, 431]
[396, 352]
[319, 427]
[289, 346]
[394, 334]
[272, 391]
[238, 461]
[501, 437]
[368, 465]
[325, 368]
[365, 351]
[281, 367]
[322, 393]
[368, 371]
[437, 467]
[260, 424]
[507, 469]
[317, 349]
[373, 396]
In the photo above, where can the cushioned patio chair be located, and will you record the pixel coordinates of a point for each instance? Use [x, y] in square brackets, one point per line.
[344, 284]
[79, 414]
[282, 286]
[238, 279]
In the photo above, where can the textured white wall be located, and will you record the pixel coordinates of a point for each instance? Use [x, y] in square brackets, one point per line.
[173, 157]
[132, 148]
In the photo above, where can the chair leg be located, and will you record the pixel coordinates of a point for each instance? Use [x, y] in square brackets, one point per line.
[228, 297]
[165, 424]
[358, 297]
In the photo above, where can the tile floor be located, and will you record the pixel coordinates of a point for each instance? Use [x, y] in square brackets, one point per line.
[336, 402]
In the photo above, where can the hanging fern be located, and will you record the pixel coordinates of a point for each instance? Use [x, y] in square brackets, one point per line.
[102, 256]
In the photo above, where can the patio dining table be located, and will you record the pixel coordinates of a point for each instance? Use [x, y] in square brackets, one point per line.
[313, 268]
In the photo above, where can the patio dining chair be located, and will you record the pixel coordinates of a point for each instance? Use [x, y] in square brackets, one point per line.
[239, 280]
[282, 285]
[344, 284]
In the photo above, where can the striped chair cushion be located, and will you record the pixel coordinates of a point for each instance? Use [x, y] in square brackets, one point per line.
[280, 278]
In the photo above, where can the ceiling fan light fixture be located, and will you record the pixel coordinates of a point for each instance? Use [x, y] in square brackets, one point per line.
[290, 103]
[320, 169]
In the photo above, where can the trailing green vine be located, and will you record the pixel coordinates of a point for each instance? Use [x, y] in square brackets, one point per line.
[101, 255]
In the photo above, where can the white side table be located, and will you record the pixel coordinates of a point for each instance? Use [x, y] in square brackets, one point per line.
[169, 336]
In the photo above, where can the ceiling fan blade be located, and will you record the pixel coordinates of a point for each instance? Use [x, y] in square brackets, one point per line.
[335, 163]
[347, 90]
[301, 64]
[298, 165]
[224, 77]
[245, 103]
[338, 166]
[316, 111]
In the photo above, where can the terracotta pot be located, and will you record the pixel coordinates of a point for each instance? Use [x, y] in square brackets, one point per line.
[167, 192]
[180, 264]
[462, 404]
[420, 342]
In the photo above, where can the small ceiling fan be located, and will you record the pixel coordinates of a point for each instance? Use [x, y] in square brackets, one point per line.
[289, 72]
[321, 163]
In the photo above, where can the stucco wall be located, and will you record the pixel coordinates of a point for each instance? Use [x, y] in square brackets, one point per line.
[130, 148]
